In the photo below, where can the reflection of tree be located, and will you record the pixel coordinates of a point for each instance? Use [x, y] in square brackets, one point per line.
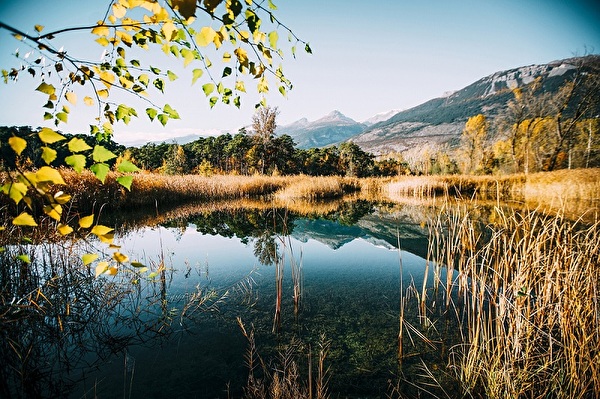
[265, 249]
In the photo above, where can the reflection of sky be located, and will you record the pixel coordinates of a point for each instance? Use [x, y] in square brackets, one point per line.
[227, 260]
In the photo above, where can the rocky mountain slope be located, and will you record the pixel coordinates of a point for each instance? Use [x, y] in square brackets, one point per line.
[441, 120]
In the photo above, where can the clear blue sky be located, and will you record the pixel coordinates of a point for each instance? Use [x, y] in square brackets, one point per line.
[368, 56]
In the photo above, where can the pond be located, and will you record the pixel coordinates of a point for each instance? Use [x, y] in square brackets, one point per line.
[232, 295]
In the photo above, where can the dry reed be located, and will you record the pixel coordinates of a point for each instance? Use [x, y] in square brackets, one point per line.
[530, 316]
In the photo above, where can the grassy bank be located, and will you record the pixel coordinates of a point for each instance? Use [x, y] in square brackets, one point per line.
[550, 188]
[558, 185]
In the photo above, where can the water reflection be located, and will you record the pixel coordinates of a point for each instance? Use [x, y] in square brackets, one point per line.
[292, 275]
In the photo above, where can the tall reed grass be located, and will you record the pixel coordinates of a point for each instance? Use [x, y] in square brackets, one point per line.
[529, 311]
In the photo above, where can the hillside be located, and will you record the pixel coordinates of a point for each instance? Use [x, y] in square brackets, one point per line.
[441, 120]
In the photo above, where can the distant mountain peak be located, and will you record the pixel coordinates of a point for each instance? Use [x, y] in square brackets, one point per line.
[335, 117]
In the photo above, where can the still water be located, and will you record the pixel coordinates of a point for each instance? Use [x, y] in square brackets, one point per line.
[177, 329]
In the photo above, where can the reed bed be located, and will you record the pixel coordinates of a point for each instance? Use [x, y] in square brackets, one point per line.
[529, 311]
[317, 188]
[502, 187]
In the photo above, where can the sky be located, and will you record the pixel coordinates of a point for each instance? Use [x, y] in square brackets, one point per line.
[368, 57]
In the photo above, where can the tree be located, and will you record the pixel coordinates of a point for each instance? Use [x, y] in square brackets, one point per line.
[236, 32]
[176, 162]
[264, 123]
[471, 143]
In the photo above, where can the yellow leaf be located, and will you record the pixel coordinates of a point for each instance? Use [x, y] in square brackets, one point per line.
[107, 238]
[169, 30]
[87, 100]
[49, 136]
[120, 258]
[54, 211]
[101, 268]
[48, 174]
[125, 38]
[242, 56]
[61, 197]
[71, 97]
[103, 93]
[17, 144]
[239, 86]
[24, 219]
[118, 10]
[112, 271]
[100, 230]
[64, 229]
[206, 36]
[101, 30]
[108, 78]
[86, 221]
[89, 258]
[39, 28]
[48, 154]
[102, 41]
[263, 85]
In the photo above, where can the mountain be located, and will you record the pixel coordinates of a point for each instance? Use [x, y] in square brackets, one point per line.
[331, 129]
[381, 117]
[440, 121]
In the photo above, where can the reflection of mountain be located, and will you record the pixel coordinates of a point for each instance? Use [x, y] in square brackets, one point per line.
[379, 230]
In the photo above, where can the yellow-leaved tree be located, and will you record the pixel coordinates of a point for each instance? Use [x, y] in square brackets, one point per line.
[244, 35]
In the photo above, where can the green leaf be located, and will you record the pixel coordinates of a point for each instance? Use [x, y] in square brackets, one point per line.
[159, 84]
[127, 167]
[23, 258]
[188, 56]
[15, 191]
[62, 116]
[49, 136]
[208, 88]
[212, 101]
[77, 162]
[163, 118]
[308, 49]
[125, 181]
[137, 264]
[100, 171]
[273, 37]
[135, 63]
[101, 154]
[171, 76]
[226, 72]
[171, 112]
[17, 144]
[78, 145]
[46, 88]
[24, 219]
[48, 155]
[272, 6]
[196, 74]
[151, 112]
[154, 70]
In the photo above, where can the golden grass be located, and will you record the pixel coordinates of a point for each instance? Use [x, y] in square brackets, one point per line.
[317, 188]
[530, 314]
